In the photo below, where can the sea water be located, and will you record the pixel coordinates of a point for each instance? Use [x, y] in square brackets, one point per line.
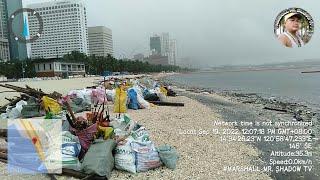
[288, 85]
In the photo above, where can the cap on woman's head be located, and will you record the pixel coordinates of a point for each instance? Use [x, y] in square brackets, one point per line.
[292, 14]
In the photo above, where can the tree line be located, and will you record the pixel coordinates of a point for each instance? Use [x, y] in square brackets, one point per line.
[94, 65]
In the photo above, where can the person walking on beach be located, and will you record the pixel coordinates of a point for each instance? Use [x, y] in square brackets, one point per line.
[290, 37]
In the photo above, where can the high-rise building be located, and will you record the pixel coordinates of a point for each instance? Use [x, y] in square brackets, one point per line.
[155, 44]
[4, 42]
[165, 47]
[64, 28]
[173, 52]
[18, 50]
[165, 44]
[100, 41]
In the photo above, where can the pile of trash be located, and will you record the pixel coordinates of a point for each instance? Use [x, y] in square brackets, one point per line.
[137, 92]
[93, 142]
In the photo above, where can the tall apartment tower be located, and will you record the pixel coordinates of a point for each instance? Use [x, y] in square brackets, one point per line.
[65, 28]
[165, 44]
[4, 41]
[100, 41]
[155, 45]
[173, 52]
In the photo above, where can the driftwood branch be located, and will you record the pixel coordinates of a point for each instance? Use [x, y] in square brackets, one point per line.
[31, 91]
[275, 109]
[166, 103]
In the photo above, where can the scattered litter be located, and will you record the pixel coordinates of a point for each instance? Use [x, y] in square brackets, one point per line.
[89, 134]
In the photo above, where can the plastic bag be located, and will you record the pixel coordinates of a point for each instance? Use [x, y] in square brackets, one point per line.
[65, 123]
[98, 95]
[111, 94]
[143, 104]
[163, 91]
[160, 94]
[79, 105]
[122, 126]
[138, 90]
[107, 132]
[170, 91]
[133, 101]
[99, 159]
[3, 116]
[145, 92]
[146, 156]
[30, 110]
[120, 102]
[84, 94]
[51, 105]
[125, 157]
[140, 135]
[86, 136]
[16, 111]
[168, 156]
[70, 151]
[152, 97]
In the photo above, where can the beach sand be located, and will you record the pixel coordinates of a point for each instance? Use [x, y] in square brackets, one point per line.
[48, 86]
[201, 156]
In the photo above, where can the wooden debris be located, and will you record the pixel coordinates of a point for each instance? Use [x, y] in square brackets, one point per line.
[159, 103]
[11, 103]
[3, 132]
[275, 109]
[310, 72]
[31, 91]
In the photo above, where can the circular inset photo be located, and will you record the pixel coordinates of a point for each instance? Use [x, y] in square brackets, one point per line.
[294, 27]
[24, 36]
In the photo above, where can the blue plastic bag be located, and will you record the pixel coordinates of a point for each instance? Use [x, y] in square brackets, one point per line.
[133, 103]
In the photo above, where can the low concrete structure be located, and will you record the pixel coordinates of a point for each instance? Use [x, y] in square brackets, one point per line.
[59, 68]
[3, 79]
[157, 59]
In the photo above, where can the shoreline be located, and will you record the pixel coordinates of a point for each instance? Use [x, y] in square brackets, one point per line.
[251, 107]
[303, 110]
[188, 129]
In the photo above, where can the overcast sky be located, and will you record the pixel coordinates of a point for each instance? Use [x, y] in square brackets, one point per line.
[210, 32]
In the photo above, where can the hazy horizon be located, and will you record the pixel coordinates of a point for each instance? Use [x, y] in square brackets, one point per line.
[208, 32]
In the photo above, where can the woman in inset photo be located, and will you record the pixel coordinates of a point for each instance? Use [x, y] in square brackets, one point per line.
[294, 28]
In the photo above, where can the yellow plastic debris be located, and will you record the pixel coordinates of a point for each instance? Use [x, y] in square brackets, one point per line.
[51, 105]
[106, 131]
[163, 91]
[120, 102]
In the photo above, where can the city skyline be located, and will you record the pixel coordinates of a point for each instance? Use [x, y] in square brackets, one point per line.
[209, 32]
